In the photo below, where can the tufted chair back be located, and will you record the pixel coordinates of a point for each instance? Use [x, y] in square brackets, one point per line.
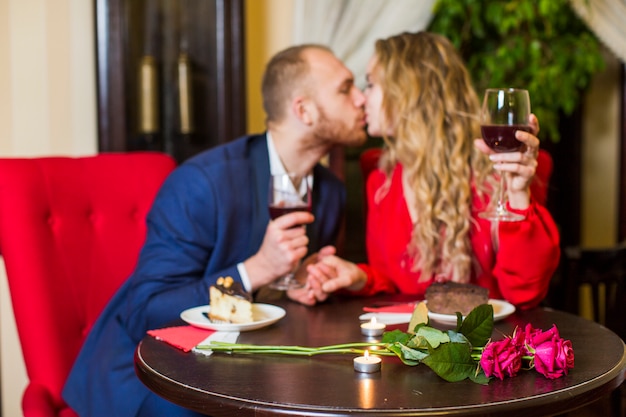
[70, 233]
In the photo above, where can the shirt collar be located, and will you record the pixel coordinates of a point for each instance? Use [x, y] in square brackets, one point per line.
[276, 165]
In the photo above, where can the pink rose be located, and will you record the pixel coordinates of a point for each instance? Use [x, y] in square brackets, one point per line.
[501, 358]
[553, 355]
[520, 338]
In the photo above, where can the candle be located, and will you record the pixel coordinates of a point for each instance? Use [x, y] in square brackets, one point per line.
[367, 363]
[373, 328]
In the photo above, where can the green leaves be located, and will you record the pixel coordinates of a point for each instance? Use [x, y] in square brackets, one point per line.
[448, 354]
[478, 325]
[406, 354]
[452, 362]
[524, 44]
[426, 337]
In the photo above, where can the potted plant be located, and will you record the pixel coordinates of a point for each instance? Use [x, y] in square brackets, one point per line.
[539, 45]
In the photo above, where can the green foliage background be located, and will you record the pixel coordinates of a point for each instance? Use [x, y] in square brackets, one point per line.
[540, 45]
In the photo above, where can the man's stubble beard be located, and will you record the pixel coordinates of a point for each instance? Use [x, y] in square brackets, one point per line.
[336, 132]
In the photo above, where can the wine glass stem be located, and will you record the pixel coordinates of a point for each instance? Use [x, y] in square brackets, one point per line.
[502, 193]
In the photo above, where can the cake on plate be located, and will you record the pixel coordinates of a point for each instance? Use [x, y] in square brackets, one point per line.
[450, 297]
[230, 302]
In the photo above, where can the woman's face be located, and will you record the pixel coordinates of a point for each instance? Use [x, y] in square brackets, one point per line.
[373, 100]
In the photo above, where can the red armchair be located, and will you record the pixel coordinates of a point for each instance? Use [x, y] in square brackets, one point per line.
[70, 233]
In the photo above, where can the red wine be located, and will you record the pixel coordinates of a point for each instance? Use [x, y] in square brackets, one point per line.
[501, 138]
[277, 211]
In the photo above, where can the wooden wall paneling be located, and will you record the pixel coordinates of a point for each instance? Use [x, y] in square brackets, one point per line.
[622, 165]
[564, 192]
[206, 38]
[109, 76]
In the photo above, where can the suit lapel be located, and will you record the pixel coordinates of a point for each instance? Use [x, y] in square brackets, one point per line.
[312, 230]
[259, 178]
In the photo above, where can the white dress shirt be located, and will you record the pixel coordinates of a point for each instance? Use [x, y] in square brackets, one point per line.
[276, 168]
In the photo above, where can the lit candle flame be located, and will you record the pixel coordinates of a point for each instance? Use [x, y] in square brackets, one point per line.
[367, 355]
[373, 320]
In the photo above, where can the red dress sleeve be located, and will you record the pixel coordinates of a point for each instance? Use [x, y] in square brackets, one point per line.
[527, 257]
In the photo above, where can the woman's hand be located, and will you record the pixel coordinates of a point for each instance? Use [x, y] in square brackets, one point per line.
[312, 292]
[329, 274]
[521, 166]
[334, 273]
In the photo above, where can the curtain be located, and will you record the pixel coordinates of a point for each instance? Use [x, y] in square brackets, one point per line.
[350, 27]
[607, 19]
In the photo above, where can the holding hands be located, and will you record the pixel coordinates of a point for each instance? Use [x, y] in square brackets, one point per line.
[284, 246]
[328, 273]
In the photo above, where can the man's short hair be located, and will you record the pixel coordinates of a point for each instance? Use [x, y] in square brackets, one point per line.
[285, 73]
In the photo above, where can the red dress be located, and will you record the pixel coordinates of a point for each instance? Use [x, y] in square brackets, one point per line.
[519, 272]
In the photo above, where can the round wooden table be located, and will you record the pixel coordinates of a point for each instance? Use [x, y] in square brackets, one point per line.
[327, 385]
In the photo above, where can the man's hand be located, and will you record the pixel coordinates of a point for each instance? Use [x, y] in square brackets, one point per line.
[284, 245]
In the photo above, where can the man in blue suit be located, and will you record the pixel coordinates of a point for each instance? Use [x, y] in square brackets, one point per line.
[210, 219]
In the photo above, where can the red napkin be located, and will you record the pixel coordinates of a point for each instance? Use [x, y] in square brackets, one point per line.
[182, 337]
[393, 308]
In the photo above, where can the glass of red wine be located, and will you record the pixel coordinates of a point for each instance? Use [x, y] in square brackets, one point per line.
[504, 111]
[288, 193]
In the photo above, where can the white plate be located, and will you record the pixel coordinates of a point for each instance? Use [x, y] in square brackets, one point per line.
[501, 309]
[262, 314]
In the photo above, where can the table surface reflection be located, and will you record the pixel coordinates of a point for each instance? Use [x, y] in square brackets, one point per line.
[327, 385]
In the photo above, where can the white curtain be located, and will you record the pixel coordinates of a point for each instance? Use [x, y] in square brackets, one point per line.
[350, 27]
[607, 19]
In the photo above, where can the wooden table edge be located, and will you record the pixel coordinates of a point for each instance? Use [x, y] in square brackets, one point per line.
[224, 405]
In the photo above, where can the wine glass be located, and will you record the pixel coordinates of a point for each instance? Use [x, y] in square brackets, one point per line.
[504, 111]
[288, 193]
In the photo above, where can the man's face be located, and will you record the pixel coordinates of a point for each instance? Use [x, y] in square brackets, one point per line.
[340, 116]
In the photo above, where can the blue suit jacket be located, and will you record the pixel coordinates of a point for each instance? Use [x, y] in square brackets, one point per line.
[210, 214]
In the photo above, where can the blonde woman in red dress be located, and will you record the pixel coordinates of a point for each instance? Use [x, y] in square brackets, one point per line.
[433, 179]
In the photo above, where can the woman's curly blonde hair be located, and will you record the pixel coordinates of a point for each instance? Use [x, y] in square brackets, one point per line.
[430, 104]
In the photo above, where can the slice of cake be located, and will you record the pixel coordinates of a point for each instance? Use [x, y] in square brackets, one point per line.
[230, 302]
[450, 297]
